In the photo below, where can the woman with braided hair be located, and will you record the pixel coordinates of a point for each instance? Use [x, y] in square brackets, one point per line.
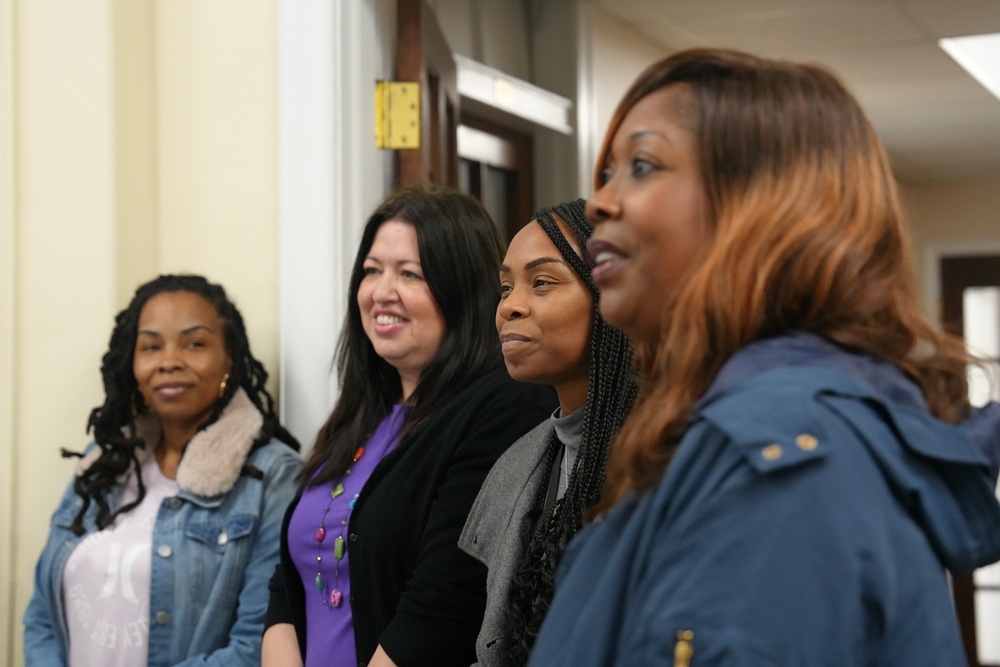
[161, 548]
[535, 497]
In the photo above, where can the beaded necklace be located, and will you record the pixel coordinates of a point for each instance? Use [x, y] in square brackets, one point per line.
[335, 598]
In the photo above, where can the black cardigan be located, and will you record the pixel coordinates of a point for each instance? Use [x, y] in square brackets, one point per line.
[412, 589]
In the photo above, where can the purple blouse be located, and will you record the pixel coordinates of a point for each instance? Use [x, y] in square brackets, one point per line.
[314, 550]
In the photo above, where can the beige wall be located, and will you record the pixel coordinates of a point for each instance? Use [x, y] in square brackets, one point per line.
[620, 54]
[7, 270]
[136, 137]
[951, 219]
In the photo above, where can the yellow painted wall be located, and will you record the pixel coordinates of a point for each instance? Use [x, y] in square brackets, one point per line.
[136, 137]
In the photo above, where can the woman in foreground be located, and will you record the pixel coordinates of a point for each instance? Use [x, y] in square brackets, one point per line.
[799, 469]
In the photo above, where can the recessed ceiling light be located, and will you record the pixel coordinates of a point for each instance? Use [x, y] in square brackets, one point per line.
[979, 55]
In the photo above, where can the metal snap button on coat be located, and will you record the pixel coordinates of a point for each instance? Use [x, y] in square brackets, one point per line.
[806, 442]
[164, 551]
[175, 503]
[772, 452]
[162, 618]
[223, 538]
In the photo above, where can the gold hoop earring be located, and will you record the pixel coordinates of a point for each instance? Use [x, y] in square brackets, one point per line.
[222, 385]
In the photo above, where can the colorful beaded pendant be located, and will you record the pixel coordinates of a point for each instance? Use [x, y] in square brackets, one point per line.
[336, 598]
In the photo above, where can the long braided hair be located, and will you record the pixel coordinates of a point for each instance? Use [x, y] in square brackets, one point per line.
[113, 422]
[610, 392]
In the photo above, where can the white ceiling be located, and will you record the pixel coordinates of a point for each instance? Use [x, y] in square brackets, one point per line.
[937, 122]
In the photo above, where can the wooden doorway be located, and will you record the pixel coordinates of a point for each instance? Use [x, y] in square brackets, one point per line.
[475, 150]
[495, 166]
[977, 597]
[423, 55]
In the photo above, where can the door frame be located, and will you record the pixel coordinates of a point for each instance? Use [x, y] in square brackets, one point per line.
[931, 269]
[963, 587]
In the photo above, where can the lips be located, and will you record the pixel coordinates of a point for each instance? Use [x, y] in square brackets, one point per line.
[172, 389]
[512, 341]
[608, 258]
[387, 322]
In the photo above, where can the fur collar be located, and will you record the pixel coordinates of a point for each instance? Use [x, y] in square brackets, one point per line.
[215, 455]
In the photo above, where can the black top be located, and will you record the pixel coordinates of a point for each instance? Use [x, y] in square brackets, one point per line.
[412, 589]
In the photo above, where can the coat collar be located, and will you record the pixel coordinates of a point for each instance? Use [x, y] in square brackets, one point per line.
[214, 457]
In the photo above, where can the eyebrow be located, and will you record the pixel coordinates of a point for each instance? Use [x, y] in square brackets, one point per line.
[535, 263]
[639, 134]
[399, 262]
[189, 330]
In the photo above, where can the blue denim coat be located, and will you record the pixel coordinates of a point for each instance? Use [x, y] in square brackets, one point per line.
[807, 518]
[215, 545]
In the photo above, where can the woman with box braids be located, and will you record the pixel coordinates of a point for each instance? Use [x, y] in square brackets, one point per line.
[552, 333]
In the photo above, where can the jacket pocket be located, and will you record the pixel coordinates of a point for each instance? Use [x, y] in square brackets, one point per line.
[217, 534]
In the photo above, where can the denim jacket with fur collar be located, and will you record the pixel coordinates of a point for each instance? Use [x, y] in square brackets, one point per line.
[215, 545]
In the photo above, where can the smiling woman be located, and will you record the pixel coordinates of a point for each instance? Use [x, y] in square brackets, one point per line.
[181, 367]
[190, 463]
[398, 311]
[371, 572]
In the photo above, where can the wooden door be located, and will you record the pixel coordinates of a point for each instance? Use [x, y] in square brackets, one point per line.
[423, 55]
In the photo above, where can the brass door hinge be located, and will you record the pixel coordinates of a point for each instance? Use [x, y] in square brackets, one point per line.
[397, 114]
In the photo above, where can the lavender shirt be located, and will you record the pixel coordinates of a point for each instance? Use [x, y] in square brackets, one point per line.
[330, 629]
[106, 581]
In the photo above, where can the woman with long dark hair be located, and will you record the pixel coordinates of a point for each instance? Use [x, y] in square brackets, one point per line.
[802, 464]
[371, 571]
[162, 546]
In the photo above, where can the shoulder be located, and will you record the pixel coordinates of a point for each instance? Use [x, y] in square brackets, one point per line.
[274, 455]
[509, 485]
[786, 416]
[497, 387]
[495, 398]
[516, 466]
[518, 463]
[775, 418]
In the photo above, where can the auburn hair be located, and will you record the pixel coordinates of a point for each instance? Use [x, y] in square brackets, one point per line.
[806, 235]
